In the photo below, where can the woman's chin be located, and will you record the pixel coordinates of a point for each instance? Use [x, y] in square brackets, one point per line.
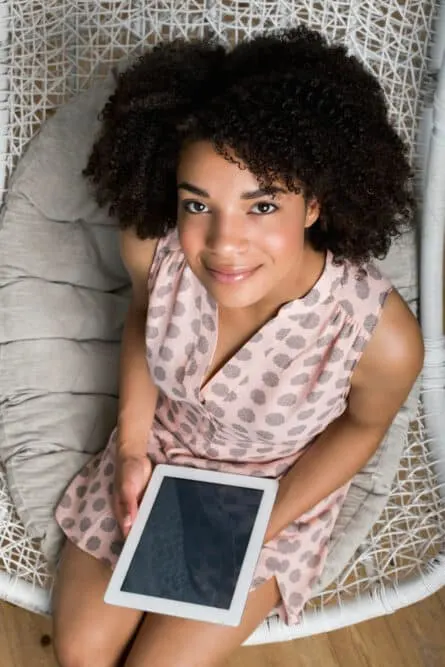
[235, 298]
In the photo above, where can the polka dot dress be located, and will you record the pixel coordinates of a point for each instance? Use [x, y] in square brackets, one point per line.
[255, 416]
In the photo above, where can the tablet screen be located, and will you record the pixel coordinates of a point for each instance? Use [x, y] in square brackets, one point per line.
[193, 544]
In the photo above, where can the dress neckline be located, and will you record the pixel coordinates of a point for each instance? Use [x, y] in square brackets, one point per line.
[319, 292]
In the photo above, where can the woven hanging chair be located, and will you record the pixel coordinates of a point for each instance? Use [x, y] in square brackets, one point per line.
[54, 50]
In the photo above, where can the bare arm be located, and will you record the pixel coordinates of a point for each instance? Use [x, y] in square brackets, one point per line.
[380, 384]
[137, 392]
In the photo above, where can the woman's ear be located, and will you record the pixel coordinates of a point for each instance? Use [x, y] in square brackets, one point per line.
[312, 212]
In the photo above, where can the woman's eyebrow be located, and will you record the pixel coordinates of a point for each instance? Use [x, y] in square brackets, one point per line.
[254, 194]
[263, 192]
[193, 188]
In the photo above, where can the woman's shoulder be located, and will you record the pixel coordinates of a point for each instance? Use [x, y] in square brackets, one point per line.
[169, 243]
[395, 354]
[361, 291]
[143, 258]
[168, 259]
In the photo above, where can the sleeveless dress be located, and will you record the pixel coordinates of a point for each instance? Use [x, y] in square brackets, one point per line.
[256, 415]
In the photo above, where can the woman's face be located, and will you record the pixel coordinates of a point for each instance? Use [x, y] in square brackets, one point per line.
[246, 247]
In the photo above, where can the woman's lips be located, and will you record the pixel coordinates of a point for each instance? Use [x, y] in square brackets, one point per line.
[231, 275]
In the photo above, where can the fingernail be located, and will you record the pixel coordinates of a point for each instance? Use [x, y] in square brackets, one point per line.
[127, 520]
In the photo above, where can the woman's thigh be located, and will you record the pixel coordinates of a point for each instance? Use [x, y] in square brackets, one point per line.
[88, 632]
[166, 641]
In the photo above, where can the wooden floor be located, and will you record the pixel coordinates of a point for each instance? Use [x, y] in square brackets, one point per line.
[413, 637]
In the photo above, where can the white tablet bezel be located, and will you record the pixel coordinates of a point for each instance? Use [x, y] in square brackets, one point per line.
[232, 616]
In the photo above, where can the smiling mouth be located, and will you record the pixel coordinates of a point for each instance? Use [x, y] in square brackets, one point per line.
[231, 274]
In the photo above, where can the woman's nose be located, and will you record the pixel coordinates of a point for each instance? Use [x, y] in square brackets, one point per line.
[227, 234]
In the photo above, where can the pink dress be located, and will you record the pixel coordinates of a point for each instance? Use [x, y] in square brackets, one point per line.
[255, 416]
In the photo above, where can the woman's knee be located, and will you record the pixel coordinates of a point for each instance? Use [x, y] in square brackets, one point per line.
[83, 647]
[86, 630]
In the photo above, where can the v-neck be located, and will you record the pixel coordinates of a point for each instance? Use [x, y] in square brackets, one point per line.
[288, 311]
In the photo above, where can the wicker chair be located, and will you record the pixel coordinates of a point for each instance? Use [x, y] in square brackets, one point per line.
[50, 51]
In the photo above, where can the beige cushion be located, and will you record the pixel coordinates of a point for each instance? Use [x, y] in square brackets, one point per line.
[63, 297]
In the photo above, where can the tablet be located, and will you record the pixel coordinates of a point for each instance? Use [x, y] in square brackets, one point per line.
[194, 546]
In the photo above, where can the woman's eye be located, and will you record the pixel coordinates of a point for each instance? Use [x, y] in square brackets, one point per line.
[194, 207]
[264, 208]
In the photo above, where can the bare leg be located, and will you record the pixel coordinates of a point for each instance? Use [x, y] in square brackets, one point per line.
[88, 632]
[166, 641]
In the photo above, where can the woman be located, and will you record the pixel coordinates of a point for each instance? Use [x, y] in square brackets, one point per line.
[253, 187]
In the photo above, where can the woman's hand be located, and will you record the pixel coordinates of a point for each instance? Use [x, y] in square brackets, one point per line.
[132, 475]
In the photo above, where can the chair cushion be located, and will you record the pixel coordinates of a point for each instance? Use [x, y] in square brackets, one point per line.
[63, 298]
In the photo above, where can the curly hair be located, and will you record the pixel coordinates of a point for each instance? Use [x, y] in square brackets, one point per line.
[288, 105]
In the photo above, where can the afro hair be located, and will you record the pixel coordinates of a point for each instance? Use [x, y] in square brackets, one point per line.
[290, 106]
